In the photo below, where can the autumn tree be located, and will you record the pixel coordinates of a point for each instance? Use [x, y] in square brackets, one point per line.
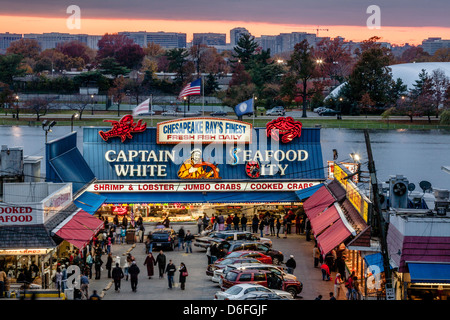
[414, 54]
[77, 49]
[117, 91]
[302, 68]
[27, 48]
[335, 60]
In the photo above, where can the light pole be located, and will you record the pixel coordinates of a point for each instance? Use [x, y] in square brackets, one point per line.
[47, 127]
[75, 115]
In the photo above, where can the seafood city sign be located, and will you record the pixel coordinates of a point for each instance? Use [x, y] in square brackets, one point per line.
[204, 148]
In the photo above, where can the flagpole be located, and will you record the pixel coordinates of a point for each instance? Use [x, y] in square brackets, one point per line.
[253, 105]
[203, 94]
[151, 109]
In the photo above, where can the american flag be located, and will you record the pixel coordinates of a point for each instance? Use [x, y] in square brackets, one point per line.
[144, 107]
[191, 89]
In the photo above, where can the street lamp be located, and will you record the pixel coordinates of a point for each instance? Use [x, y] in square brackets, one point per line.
[75, 115]
[47, 127]
[184, 108]
[356, 157]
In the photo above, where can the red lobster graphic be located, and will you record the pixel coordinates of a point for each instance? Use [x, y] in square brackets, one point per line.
[287, 127]
[123, 128]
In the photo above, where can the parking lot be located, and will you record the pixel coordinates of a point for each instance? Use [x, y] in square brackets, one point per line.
[199, 286]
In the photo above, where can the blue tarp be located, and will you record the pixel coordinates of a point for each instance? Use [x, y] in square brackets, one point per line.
[306, 193]
[429, 272]
[197, 197]
[89, 202]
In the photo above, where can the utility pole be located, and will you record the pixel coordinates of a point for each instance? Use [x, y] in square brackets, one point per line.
[376, 218]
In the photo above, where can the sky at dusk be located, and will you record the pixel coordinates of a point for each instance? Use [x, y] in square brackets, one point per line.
[402, 21]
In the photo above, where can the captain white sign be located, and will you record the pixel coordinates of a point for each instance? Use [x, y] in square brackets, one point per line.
[196, 187]
[203, 130]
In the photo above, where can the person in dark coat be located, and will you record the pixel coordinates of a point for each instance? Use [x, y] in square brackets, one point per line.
[149, 262]
[108, 265]
[183, 275]
[236, 221]
[161, 262]
[244, 223]
[170, 270]
[291, 264]
[255, 222]
[117, 275]
[134, 272]
[98, 264]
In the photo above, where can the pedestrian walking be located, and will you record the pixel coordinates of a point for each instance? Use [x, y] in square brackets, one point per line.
[291, 264]
[205, 221]
[188, 241]
[64, 278]
[236, 221]
[272, 225]
[149, 262]
[221, 222]
[255, 222]
[109, 262]
[338, 285]
[170, 270]
[261, 227]
[181, 235]
[208, 254]
[297, 223]
[117, 275]
[316, 256]
[183, 275]
[123, 234]
[244, 223]
[278, 224]
[134, 272]
[308, 229]
[161, 262]
[89, 262]
[199, 225]
[84, 286]
[98, 266]
[108, 245]
[58, 279]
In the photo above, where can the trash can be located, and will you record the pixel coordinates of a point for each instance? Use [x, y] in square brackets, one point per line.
[131, 236]
[68, 293]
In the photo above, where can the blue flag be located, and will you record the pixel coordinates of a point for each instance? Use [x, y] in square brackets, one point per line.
[245, 107]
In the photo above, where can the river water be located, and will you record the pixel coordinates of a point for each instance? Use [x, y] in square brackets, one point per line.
[417, 155]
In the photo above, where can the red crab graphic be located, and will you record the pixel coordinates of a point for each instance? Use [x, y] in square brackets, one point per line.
[123, 128]
[287, 128]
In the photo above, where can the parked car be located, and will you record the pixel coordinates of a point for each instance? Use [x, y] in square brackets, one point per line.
[220, 273]
[218, 113]
[227, 247]
[229, 235]
[211, 268]
[149, 113]
[319, 109]
[329, 112]
[240, 290]
[234, 277]
[171, 113]
[164, 239]
[249, 254]
[276, 111]
[260, 295]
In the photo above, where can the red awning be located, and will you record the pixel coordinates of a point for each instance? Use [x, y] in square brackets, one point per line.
[80, 229]
[325, 219]
[333, 236]
[318, 202]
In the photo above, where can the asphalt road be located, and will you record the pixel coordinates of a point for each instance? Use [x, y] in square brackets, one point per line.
[198, 285]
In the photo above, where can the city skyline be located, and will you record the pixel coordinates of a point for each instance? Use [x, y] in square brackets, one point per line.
[399, 24]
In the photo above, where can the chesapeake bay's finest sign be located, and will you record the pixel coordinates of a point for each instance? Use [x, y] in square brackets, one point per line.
[201, 186]
[203, 130]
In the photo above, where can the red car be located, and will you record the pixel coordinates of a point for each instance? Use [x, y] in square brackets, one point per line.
[289, 282]
[250, 254]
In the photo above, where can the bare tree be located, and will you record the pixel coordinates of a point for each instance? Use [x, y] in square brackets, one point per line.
[80, 104]
[39, 105]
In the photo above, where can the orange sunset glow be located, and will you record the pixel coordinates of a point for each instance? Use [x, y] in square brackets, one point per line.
[394, 35]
